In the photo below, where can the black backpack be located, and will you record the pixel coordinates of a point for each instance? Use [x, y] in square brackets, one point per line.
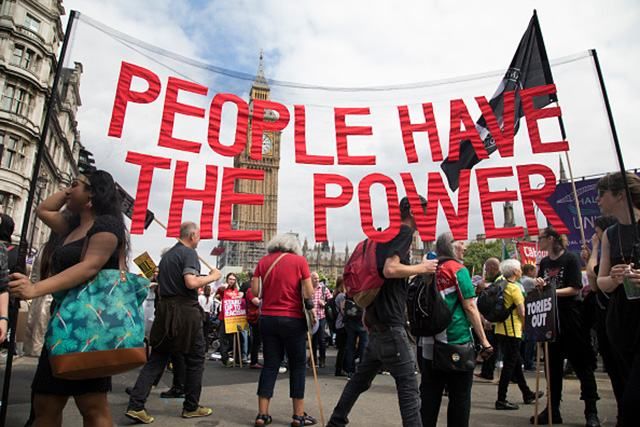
[351, 309]
[428, 313]
[491, 302]
[331, 313]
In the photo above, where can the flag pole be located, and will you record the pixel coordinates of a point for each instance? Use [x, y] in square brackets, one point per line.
[22, 249]
[564, 138]
[563, 133]
[616, 143]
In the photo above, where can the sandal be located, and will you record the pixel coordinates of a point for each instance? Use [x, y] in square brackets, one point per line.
[266, 420]
[303, 420]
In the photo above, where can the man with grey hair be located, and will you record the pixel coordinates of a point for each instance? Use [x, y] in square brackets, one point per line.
[177, 327]
[491, 273]
[320, 297]
[389, 346]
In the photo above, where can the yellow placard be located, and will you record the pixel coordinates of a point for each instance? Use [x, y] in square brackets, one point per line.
[234, 324]
[146, 264]
[235, 315]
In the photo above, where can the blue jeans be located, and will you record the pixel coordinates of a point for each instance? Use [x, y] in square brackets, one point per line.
[318, 341]
[279, 335]
[354, 330]
[389, 349]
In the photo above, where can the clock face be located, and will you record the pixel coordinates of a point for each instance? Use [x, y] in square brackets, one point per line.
[267, 144]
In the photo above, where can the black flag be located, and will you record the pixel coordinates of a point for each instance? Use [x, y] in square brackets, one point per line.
[127, 206]
[529, 68]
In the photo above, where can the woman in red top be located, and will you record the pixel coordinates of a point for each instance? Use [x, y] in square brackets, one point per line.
[283, 274]
[229, 290]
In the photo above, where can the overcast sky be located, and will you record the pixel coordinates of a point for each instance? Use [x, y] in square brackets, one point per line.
[352, 44]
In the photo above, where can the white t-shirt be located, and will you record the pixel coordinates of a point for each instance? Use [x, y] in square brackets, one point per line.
[207, 306]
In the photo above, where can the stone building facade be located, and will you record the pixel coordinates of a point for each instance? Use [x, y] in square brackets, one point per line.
[30, 36]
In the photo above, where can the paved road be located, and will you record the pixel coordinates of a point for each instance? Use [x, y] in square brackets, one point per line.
[231, 393]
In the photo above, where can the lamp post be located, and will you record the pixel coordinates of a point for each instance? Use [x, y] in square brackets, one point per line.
[41, 184]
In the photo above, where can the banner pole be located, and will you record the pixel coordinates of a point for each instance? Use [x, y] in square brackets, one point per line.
[535, 409]
[616, 143]
[573, 182]
[548, 375]
[199, 257]
[315, 379]
[575, 195]
[235, 343]
[22, 249]
[239, 344]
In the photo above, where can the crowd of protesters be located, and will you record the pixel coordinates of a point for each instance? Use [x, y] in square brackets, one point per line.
[185, 317]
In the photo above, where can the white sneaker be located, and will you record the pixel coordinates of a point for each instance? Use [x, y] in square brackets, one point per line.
[282, 370]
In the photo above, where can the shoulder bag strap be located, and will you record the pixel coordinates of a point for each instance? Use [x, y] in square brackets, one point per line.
[268, 272]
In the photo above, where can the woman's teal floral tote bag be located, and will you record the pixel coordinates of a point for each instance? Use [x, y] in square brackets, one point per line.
[97, 328]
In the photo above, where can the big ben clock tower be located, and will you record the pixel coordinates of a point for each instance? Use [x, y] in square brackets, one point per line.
[253, 217]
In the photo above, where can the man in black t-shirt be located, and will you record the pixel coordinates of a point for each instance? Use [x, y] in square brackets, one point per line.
[177, 327]
[389, 347]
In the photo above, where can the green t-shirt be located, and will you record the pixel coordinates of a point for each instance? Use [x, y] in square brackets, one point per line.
[454, 284]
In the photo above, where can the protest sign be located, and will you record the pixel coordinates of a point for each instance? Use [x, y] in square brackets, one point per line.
[145, 264]
[529, 253]
[235, 315]
[563, 201]
[540, 308]
[187, 141]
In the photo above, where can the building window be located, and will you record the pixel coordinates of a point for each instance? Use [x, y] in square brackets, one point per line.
[23, 57]
[32, 23]
[12, 153]
[6, 206]
[16, 100]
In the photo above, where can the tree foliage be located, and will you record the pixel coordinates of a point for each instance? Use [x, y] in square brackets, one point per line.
[478, 252]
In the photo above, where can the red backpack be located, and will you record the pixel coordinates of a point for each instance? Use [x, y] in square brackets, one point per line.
[362, 280]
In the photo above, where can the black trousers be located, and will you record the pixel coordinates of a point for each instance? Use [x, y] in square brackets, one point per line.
[194, 367]
[489, 365]
[431, 388]
[630, 399]
[389, 349]
[256, 341]
[226, 344]
[177, 361]
[608, 357]
[573, 343]
[341, 340]
[283, 335]
[511, 366]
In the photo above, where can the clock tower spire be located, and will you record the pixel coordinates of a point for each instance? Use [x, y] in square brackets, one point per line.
[252, 217]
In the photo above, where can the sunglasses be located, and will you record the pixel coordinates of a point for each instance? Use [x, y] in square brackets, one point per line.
[80, 180]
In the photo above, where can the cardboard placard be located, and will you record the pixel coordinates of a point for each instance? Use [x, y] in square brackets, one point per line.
[145, 264]
[235, 315]
[541, 314]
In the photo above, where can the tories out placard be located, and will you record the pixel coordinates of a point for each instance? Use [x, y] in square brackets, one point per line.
[540, 310]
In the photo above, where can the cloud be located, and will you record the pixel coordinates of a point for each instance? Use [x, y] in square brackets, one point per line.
[357, 44]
